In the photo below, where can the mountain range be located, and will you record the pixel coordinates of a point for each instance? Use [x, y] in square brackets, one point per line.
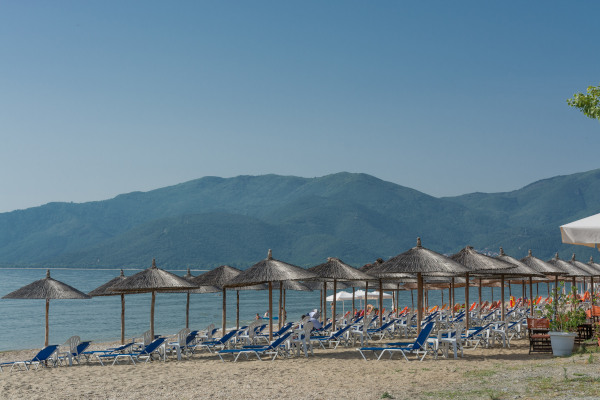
[213, 221]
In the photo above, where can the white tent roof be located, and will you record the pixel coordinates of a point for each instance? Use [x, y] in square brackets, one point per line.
[358, 295]
[585, 232]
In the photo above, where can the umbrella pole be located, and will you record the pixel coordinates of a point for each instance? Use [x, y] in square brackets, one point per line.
[531, 296]
[47, 326]
[321, 302]
[366, 291]
[224, 317]
[152, 314]
[502, 297]
[555, 295]
[325, 303]
[284, 313]
[467, 316]
[537, 289]
[334, 305]
[270, 311]
[412, 299]
[380, 302]
[479, 298]
[591, 290]
[442, 293]
[419, 301]
[524, 290]
[492, 289]
[353, 305]
[122, 319]
[237, 310]
[187, 311]
[280, 304]
[452, 298]
[548, 285]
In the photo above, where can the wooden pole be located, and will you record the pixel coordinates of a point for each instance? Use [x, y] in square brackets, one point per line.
[153, 301]
[467, 316]
[365, 310]
[502, 297]
[224, 317]
[397, 300]
[353, 305]
[380, 302]
[187, 311]
[555, 295]
[122, 318]
[531, 296]
[47, 325]
[280, 304]
[270, 311]
[334, 305]
[479, 297]
[237, 310]
[452, 298]
[325, 303]
[419, 301]
[284, 312]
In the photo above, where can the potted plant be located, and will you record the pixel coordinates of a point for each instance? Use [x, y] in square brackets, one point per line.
[565, 316]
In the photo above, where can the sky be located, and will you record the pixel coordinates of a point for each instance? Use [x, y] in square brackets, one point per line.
[99, 98]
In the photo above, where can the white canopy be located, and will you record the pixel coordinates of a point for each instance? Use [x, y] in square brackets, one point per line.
[358, 295]
[585, 232]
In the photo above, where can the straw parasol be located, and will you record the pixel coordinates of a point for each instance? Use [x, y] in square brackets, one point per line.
[47, 289]
[479, 264]
[569, 270]
[335, 270]
[421, 262]
[201, 289]
[520, 270]
[268, 271]
[589, 268]
[218, 277]
[152, 280]
[105, 290]
[597, 267]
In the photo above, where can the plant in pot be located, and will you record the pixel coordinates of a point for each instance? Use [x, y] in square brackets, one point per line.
[564, 320]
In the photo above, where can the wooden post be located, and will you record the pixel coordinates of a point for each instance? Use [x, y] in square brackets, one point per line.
[47, 326]
[325, 303]
[366, 290]
[531, 296]
[467, 316]
[237, 310]
[502, 297]
[122, 318]
[270, 311]
[380, 302]
[280, 305]
[452, 298]
[224, 315]
[479, 297]
[152, 314]
[419, 301]
[353, 305]
[187, 311]
[334, 305]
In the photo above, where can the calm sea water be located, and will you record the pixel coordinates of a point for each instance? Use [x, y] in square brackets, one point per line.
[99, 319]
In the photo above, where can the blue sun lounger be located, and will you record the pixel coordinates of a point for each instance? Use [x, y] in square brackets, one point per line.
[257, 350]
[416, 347]
[43, 357]
[145, 353]
[221, 342]
[335, 338]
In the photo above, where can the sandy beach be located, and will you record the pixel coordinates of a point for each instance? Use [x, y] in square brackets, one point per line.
[487, 373]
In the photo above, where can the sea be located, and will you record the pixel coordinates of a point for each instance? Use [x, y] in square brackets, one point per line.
[98, 319]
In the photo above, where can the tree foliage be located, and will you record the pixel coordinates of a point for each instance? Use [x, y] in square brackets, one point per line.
[588, 104]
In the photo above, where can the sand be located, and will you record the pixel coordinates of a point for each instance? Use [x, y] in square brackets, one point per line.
[487, 373]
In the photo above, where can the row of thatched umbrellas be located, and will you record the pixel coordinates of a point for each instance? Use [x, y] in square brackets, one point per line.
[416, 265]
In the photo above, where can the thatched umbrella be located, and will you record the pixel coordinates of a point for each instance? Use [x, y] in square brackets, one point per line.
[201, 289]
[477, 263]
[268, 271]
[47, 289]
[335, 270]
[152, 280]
[105, 290]
[421, 262]
[597, 267]
[520, 270]
[569, 270]
[542, 267]
[218, 277]
[589, 268]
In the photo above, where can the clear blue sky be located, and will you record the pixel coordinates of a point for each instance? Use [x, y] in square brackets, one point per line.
[99, 98]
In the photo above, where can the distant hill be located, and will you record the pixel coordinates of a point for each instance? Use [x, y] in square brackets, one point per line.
[357, 217]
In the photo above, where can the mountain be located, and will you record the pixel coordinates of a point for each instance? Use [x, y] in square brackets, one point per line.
[212, 221]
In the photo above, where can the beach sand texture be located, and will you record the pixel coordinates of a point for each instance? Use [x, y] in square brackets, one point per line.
[493, 373]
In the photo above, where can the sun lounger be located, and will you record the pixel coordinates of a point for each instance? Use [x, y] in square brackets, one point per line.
[417, 347]
[145, 353]
[333, 339]
[74, 354]
[220, 343]
[272, 348]
[42, 358]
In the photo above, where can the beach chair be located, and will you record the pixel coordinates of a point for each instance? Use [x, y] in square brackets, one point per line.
[417, 347]
[272, 348]
[280, 332]
[334, 338]
[73, 354]
[219, 343]
[111, 350]
[383, 331]
[146, 353]
[42, 358]
[477, 335]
